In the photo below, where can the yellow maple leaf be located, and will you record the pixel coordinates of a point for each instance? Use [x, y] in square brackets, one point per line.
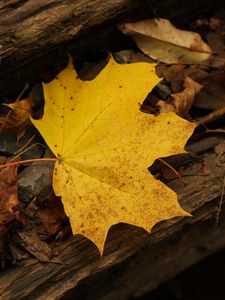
[104, 146]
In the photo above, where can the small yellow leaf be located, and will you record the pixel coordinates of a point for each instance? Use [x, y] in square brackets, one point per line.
[104, 146]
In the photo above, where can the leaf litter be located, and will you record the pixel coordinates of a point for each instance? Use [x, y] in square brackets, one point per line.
[178, 86]
[17, 119]
[9, 203]
[181, 102]
[162, 41]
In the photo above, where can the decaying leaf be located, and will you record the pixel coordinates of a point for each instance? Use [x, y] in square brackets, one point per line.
[31, 243]
[161, 40]
[104, 146]
[213, 88]
[18, 118]
[216, 42]
[181, 102]
[8, 197]
[175, 74]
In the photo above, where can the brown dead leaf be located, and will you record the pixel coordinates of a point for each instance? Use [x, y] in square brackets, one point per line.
[9, 204]
[213, 88]
[212, 116]
[30, 241]
[162, 41]
[181, 102]
[216, 42]
[176, 73]
[47, 218]
[17, 118]
[131, 56]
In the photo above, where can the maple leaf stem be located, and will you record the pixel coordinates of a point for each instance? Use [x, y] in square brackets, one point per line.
[27, 161]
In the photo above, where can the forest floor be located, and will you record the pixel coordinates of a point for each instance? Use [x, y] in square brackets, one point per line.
[34, 222]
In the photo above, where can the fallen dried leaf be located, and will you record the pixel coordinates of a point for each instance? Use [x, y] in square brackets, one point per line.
[216, 42]
[162, 41]
[30, 241]
[17, 119]
[181, 102]
[213, 88]
[9, 204]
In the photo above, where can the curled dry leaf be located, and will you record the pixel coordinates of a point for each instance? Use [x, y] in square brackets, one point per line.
[104, 145]
[175, 74]
[17, 118]
[162, 41]
[181, 102]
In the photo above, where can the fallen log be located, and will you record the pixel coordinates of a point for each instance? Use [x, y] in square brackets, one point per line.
[134, 262]
[34, 34]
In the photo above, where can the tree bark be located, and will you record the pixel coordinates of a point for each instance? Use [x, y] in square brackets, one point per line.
[35, 33]
[134, 261]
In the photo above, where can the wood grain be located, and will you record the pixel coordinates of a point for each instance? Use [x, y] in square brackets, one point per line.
[33, 33]
[134, 262]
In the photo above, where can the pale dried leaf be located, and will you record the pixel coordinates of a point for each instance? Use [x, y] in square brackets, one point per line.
[162, 41]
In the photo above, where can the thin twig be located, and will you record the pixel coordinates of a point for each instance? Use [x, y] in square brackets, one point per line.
[216, 130]
[25, 146]
[26, 87]
[220, 202]
[24, 151]
[27, 161]
[202, 123]
[170, 167]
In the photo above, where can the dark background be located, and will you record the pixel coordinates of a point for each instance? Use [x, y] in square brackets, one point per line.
[203, 281]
